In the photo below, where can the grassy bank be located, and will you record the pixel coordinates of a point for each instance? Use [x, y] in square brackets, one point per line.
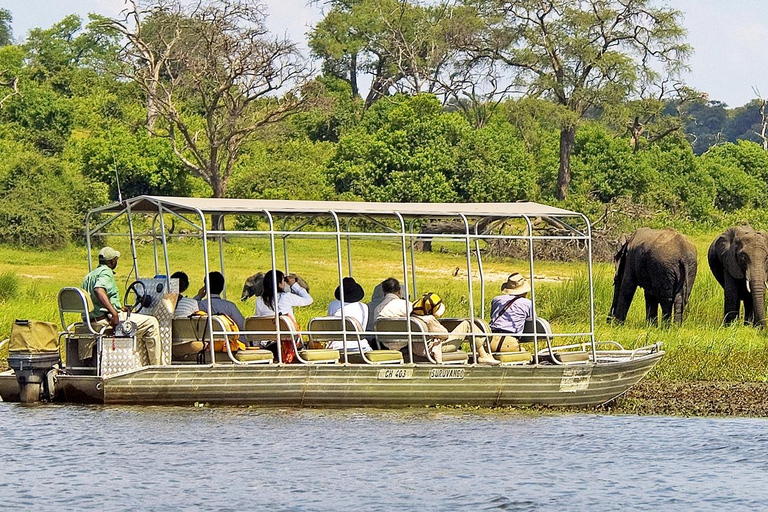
[701, 349]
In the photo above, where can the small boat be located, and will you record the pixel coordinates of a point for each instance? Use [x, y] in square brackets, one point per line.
[557, 368]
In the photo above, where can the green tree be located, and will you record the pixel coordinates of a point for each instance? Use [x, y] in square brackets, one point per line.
[216, 81]
[6, 32]
[49, 213]
[581, 55]
[406, 149]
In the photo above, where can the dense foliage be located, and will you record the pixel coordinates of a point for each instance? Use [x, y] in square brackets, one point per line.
[72, 124]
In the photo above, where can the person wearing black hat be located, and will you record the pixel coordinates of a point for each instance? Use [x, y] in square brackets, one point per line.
[353, 305]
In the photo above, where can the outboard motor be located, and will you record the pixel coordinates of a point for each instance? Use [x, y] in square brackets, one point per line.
[33, 352]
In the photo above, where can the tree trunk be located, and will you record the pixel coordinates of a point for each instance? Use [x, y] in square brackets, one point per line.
[153, 113]
[567, 140]
[353, 75]
[219, 187]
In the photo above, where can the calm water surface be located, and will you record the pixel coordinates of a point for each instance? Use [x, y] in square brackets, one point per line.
[127, 458]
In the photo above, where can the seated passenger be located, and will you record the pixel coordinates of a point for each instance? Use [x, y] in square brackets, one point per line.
[392, 305]
[218, 305]
[509, 312]
[294, 296]
[353, 305]
[429, 308]
[185, 306]
[353, 308]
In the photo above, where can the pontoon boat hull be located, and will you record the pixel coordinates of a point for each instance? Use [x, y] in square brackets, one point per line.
[357, 385]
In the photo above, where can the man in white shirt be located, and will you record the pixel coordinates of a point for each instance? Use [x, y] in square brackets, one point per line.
[393, 305]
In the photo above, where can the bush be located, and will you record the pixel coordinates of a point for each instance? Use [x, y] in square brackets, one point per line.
[9, 286]
[41, 201]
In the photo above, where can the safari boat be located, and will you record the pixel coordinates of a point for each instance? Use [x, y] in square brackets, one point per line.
[555, 369]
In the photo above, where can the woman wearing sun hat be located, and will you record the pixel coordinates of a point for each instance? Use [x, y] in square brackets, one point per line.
[509, 312]
[429, 308]
[353, 305]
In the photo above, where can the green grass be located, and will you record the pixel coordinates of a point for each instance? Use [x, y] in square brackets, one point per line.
[701, 349]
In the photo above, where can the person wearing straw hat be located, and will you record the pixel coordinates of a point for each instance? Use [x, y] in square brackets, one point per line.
[429, 308]
[509, 312]
[353, 305]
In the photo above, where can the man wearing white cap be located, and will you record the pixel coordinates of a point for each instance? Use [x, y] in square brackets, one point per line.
[509, 312]
[108, 310]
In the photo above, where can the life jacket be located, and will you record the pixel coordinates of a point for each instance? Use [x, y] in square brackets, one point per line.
[231, 327]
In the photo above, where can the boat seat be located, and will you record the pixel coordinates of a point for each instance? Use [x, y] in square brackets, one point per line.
[540, 328]
[565, 357]
[82, 339]
[331, 328]
[393, 332]
[189, 344]
[288, 334]
[512, 358]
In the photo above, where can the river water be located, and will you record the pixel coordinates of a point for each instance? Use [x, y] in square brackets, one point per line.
[153, 458]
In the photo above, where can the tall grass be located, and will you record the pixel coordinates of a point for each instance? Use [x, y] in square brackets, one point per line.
[9, 286]
[700, 349]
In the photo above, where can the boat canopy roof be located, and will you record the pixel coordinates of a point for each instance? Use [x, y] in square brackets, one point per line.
[151, 204]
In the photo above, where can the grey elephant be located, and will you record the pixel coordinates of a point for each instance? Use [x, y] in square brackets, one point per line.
[738, 260]
[663, 263]
[254, 285]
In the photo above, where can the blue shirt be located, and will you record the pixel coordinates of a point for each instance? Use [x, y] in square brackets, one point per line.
[224, 307]
[513, 319]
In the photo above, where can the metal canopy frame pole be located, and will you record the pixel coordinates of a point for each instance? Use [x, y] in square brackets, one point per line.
[413, 259]
[480, 270]
[133, 241]
[275, 295]
[207, 281]
[165, 250]
[88, 240]
[468, 252]
[221, 259]
[533, 288]
[591, 289]
[349, 255]
[405, 283]
[342, 298]
[154, 243]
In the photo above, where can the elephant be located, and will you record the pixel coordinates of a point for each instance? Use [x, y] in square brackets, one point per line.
[663, 263]
[738, 260]
[253, 285]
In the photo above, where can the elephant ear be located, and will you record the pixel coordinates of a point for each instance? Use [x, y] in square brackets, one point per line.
[622, 252]
[728, 249]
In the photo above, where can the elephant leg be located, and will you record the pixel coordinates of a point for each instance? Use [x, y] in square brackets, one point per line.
[677, 308]
[651, 309]
[732, 302]
[749, 308]
[626, 294]
[667, 306]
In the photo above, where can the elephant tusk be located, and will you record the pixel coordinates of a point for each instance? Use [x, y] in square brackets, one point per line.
[749, 288]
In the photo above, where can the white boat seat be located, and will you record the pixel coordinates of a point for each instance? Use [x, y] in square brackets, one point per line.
[331, 328]
[420, 335]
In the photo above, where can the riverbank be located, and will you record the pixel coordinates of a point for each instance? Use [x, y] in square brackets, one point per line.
[700, 398]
